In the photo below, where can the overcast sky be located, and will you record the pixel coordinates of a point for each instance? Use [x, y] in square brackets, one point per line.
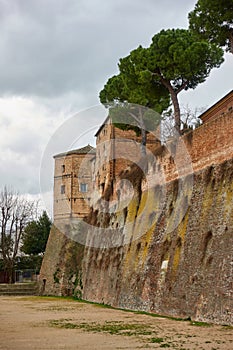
[55, 57]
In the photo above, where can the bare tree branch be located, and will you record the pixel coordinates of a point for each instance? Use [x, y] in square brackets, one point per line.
[15, 213]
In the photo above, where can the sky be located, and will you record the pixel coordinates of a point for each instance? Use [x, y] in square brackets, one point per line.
[55, 57]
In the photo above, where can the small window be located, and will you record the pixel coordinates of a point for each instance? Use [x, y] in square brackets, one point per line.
[63, 189]
[83, 187]
[63, 168]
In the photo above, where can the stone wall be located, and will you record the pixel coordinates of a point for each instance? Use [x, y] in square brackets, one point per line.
[169, 249]
[61, 270]
[184, 271]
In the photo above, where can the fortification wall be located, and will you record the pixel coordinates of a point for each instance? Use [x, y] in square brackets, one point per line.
[183, 271]
[170, 250]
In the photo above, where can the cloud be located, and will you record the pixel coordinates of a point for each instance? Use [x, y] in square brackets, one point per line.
[33, 131]
[26, 127]
[54, 47]
[55, 58]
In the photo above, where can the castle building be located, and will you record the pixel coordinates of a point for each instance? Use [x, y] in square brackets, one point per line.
[168, 250]
[224, 105]
[116, 150]
[81, 176]
[72, 183]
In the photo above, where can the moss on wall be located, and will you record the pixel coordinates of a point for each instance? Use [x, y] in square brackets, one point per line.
[180, 272]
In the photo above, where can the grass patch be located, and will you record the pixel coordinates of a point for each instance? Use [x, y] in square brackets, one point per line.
[106, 306]
[200, 324]
[157, 340]
[116, 328]
[224, 327]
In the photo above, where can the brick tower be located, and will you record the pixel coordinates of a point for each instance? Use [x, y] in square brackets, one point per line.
[72, 183]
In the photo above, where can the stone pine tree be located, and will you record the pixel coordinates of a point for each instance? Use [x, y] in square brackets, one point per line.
[213, 20]
[132, 99]
[179, 61]
[176, 60]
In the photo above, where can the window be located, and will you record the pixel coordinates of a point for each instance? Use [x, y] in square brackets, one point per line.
[83, 187]
[63, 189]
[63, 168]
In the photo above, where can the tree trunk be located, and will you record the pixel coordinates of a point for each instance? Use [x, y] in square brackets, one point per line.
[176, 106]
[143, 133]
[174, 98]
[10, 270]
[143, 142]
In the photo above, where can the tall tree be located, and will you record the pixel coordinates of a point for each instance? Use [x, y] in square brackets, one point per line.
[35, 235]
[15, 213]
[213, 20]
[178, 61]
[132, 98]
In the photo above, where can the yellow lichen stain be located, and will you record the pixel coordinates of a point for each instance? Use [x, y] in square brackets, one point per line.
[137, 254]
[206, 203]
[143, 203]
[176, 260]
[146, 239]
[179, 205]
[228, 205]
[182, 229]
[148, 212]
[221, 197]
[132, 210]
[140, 229]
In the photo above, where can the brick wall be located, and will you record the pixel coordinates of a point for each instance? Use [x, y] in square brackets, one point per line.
[220, 108]
[211, 143]
[71, 171]
[185, 270]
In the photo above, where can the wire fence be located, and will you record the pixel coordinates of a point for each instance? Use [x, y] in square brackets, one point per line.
[28, 275]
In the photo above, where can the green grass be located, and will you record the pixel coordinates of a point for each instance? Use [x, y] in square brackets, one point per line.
[157, 340]
[117, 328]
[106, 306]
[200, 324]
[193, 323]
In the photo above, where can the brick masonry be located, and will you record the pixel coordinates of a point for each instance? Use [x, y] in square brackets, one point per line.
[174, 254]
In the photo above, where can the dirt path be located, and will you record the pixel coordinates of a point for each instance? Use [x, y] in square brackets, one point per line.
[37, 323]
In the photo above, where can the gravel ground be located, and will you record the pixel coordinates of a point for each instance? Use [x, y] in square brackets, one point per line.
[38, 323]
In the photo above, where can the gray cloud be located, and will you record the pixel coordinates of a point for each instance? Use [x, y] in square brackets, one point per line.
[57, 55]
[52, 47]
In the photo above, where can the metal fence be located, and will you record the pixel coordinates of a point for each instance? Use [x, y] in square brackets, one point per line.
[28, 275]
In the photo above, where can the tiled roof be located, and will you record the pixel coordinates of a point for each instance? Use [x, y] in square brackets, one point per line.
[84, 150]
[205, 116]
[102, 125]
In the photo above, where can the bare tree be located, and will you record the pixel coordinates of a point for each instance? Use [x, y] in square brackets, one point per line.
[190, 118]
[15, 213]
[189, 121]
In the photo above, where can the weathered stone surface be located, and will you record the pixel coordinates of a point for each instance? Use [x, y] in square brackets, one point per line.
[186, 272]
[170, 250]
